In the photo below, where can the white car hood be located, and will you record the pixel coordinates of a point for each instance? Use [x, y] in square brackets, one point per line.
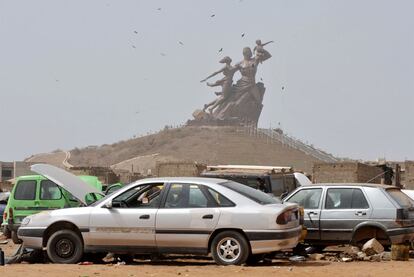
[71, 183]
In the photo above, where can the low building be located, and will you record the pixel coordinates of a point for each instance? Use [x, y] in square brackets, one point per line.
[346, 172]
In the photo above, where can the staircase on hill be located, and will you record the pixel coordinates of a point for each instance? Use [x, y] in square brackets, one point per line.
[297, 144]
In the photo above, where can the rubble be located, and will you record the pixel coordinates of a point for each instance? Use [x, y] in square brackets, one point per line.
[372, 247]
[316, 256]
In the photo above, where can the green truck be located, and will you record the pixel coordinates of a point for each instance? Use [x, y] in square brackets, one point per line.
[35, 193]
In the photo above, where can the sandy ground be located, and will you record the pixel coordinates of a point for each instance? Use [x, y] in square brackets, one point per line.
[206, 267]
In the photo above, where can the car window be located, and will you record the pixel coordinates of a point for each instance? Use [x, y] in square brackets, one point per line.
[358, 200]
[49, 190]
[144, 196]
[25, 190]
[307, 198]
[196, 198]
[402, 199]
[187, 196]
[253, 194]
[345, 198]
[221, 200]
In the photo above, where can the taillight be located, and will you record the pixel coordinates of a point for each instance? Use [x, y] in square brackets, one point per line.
[11, 214]
[287, 216]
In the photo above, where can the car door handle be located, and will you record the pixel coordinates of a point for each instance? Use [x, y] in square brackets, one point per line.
[208, 216]
[312, 213]
[144, 216]
[360, 213]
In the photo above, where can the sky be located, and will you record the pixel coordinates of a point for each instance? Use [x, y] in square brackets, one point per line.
[83, 72]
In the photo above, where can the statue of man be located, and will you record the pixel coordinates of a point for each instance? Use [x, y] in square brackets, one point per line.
[226, 83]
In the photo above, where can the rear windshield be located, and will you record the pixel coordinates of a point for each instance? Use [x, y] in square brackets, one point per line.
[25, 190]
[403, 200]
[253, 194]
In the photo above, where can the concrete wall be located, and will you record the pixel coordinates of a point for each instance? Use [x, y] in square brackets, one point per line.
[409, 175]
[176, 169]
[345, 172]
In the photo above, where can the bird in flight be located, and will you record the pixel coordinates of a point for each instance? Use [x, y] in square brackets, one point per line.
[163, 54]
[221, 49]
[283, 87]
[133, 46]
[136, 32]
[158, 9]
[242, 35]
[180, 42]
[213, 15]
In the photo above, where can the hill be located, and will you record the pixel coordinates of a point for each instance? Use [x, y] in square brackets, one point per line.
[203, 144]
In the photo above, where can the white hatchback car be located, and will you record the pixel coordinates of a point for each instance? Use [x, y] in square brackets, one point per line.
[164, 215]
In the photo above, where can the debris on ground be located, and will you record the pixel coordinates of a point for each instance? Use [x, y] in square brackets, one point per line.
[316, 256]
[372, 247]
[400, 252]
[85, 263]
[297, 259]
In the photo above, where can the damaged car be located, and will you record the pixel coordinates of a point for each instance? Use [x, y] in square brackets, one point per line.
[355, 213]
[165, 216]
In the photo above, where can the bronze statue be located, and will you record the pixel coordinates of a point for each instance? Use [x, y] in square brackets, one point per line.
[226, 82]
[240, 102]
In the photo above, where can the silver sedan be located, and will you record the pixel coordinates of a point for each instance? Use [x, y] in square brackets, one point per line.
[166, 215]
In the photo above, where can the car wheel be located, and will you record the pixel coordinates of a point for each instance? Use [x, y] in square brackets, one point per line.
[15, 238]
[64, 247]
[229, 248]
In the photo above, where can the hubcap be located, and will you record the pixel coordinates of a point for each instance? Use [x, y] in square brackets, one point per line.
[228, 249]
[64, 248]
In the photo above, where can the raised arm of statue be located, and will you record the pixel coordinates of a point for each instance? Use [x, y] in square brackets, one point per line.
[213, 74]
[265, 55]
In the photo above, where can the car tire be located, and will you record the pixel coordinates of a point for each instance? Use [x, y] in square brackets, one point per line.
[15, 238]
[230, 248]
[64, 247]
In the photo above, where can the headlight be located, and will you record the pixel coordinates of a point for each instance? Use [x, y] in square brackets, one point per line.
[25, 221]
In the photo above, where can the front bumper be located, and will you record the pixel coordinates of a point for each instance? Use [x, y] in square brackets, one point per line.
[270, 241]
[32, 237]
[401, 235]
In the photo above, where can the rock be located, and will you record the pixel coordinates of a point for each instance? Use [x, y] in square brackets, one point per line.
[346, 259]
[372, 247]
[352, 251]
[316, 256]
[109, 258]
[375, 258]
[361, 256]
[385, 256]
[400, 252]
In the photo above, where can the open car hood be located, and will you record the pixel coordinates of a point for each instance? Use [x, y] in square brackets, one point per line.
[71, 183]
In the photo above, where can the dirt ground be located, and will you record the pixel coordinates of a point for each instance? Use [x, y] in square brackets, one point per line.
[206, 267]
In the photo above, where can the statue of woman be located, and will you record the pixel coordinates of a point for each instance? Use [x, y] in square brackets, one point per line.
[226, 83]
[248, 69]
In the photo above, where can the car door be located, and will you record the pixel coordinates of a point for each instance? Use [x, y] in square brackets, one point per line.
[344, 208]
[310, 200]
[130, 223]
[187, 218]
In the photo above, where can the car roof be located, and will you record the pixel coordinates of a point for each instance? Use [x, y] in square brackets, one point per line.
[203, 180]
[352, 184]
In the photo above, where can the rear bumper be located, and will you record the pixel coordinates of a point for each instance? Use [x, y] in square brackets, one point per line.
[401, 235]
[270, 241]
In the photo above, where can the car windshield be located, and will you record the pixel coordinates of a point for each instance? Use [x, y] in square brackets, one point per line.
[402, 199]
[253, 194]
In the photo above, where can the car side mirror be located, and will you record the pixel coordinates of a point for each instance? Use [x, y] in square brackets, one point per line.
[108, 205]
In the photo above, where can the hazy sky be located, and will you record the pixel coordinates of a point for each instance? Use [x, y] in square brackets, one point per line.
[74, 73]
